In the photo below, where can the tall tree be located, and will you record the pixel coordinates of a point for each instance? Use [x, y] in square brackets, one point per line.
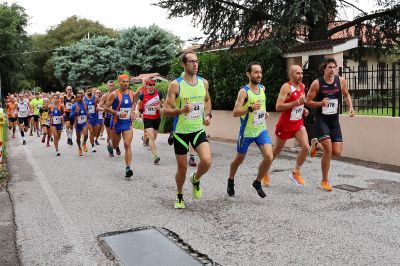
[87, 62]
[13, 20]
[69, 31]
[147, 49]
[254, 20]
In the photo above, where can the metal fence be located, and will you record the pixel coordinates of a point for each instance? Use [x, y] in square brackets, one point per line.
[375, 90]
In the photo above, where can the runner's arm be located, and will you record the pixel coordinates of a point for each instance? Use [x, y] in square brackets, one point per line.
[282, 97]
[346, 95]
[107, 105]
[239, 110]
[169, 108]
[73, 111]
[312, 93]
[207, 100]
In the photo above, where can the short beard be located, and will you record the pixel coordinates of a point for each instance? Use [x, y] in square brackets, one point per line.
[254, 82]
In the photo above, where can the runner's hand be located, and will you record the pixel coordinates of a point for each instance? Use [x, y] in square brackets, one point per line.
[306, 112]
[121, 114]
[351, 112]
[325, 102]
[207, 120]
[302, 99]
[188, 108]
[256, 106]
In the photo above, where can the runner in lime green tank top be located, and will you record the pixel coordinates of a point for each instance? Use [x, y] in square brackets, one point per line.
[189, 103]
[250, 107]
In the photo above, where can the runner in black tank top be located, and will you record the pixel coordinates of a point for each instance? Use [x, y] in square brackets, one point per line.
[325, 94]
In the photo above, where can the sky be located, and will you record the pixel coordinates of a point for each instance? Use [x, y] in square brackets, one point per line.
[119, 14]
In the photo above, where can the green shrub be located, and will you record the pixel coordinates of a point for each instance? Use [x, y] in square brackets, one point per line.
[225, 71]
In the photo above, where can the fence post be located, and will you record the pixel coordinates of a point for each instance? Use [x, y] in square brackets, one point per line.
[341, 98]
[393, 90]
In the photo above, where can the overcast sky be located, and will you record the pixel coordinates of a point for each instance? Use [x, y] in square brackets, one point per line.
[118, 14]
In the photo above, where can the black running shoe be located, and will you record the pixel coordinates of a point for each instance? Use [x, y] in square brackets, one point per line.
[128, 172]
[23, 142]
[171, 138]
[258, 188]
[231, 187]
[96, 142]
[118, 151]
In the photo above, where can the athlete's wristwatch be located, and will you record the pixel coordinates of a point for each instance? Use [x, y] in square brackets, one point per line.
[250, 109]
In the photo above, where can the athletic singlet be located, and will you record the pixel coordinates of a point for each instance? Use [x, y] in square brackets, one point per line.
[333, 92]
[150, 102]
[253, 123]
[195, 94]
[44, 116]
[23, 109]
[91, 107]
[80, 111]
[125, 106]
[11, 112]
[56, 115]
[292, 119]
[68, 103]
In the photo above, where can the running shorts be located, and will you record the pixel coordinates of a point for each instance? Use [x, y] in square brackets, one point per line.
[181, 141]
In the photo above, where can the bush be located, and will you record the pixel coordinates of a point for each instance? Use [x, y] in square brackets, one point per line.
[225, 71]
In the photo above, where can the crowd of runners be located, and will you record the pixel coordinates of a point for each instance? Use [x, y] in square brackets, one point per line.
[88, 112]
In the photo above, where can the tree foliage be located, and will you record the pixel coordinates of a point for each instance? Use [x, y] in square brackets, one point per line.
[147, 49]
[87, 62]
[255, 20]
[68, 32]
[13, 39]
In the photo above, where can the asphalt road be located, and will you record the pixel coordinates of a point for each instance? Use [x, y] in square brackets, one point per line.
[62, 204]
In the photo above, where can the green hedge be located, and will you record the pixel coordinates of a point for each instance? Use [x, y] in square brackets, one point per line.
[225, 71]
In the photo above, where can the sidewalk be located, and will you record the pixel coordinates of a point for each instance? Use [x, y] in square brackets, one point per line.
[8, 254]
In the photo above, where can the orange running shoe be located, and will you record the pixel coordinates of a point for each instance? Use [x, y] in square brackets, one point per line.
[85, 149]
[296, 177]
[265, 180]
[313, 149]
[80, 152]
[326, 186]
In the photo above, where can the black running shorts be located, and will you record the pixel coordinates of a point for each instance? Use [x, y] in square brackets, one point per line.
[328, 128]
[23, 121]
[181, 141]
[152, 123]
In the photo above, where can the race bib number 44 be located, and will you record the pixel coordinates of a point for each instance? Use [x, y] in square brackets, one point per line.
[331, 108]
[259, 117]
[198, 110]
[297, 113]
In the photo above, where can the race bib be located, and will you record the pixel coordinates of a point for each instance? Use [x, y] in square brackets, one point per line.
[68, 105]
[82, 119]
[297, 113]
[150, 110]
[198, 110]
[127, 111]
[47, 122]
[56, 120]
[100, 115]
[332, 107]
[259, 117]
[23, 113]
[91, 109]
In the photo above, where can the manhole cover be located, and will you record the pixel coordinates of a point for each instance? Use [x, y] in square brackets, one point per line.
[150, 246]
[349, 188]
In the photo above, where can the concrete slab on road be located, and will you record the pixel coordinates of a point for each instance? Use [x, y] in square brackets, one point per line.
[62, 204]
